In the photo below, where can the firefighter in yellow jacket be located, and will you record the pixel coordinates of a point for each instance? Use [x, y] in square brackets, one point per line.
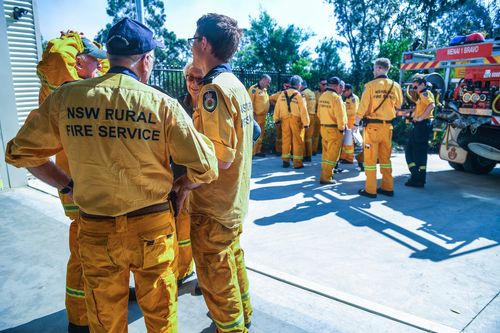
[272, 100]
[322, 86]
[351, 107]
[311, 110]
[260, 101]
[377, 107]
[416, 150]
[119, 135]
[291, 115]
[69, 58]
[218, 209]
[333, 119]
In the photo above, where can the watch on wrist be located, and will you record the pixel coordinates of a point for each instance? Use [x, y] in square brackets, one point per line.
[68, 188]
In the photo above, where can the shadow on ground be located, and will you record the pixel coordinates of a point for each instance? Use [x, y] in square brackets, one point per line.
[57, 323]
[434, 217]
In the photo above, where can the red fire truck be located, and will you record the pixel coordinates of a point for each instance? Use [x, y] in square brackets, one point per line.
[466, 80]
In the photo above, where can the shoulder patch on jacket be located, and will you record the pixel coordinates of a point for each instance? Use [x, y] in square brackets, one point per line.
[426, 94]
[253, 91]
[210, 100]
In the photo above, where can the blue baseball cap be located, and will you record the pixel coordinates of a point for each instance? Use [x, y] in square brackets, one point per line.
[129, 37]
[92, 49]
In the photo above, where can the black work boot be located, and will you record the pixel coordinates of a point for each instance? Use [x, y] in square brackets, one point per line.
[412, 183]
[286, 164]
[385, 192]
[72, 328]
[366, 194]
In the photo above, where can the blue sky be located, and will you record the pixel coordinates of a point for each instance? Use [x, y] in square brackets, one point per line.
[90, 16]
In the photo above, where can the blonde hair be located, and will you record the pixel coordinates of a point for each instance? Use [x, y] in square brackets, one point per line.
[186, 69]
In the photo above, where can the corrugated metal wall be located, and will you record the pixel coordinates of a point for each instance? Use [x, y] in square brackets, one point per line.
[24, 55]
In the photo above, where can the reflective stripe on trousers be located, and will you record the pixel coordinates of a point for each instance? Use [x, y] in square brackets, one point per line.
[221, 272]
[378, 147]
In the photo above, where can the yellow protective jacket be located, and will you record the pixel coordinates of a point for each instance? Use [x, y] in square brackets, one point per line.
[274, 97]
[373, 95]
[331, 110]
[225, 116]
[310, 100]
[260, 99]
[317, 94]
[351, 108]
[297, 107]
[425, 98]
[119, 135]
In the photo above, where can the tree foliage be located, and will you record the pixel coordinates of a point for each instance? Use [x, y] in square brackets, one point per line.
[176, 50]
[328, 62]
[267, 46]
[463, 20]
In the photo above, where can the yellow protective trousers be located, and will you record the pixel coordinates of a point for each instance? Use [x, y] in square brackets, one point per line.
[221, 272]
[316, 133]
[309, 136]
[261, 120]
[332, 144]
[378, 147]
[286, 136]
[185, 264]
[75, 294]
[297, 140]
[110, 249]
[347, 153]
[279, 142]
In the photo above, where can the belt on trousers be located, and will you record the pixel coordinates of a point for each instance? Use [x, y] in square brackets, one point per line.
[377, 121]
[329, 125]
[161, 207]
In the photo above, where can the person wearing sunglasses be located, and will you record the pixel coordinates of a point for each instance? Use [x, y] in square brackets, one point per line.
[185, 263]
[421, 128]
[225, 116]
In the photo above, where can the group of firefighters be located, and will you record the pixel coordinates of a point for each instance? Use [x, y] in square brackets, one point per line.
[151, 183]
[335, 114]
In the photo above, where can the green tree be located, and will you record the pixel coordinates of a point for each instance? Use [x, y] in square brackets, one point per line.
[269, 47]
[328, 62]
[176, 50]
[472, 16]
[393, 50]
[364, 25]
[427, 12]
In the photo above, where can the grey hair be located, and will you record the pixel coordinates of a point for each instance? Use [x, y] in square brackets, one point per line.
[265, 76]
[128, 59]
[295, 81]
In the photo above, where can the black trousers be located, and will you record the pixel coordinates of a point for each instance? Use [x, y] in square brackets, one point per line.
[416, 150]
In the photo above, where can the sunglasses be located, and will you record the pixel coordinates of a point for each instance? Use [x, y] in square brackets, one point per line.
[192, 39]
[191, 78]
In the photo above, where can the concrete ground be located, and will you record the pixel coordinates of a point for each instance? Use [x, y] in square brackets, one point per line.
[320, 258]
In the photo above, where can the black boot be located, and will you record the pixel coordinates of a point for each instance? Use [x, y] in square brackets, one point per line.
[72, 328]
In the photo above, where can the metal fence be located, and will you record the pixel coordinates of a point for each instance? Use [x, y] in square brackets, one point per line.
[173, 82]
